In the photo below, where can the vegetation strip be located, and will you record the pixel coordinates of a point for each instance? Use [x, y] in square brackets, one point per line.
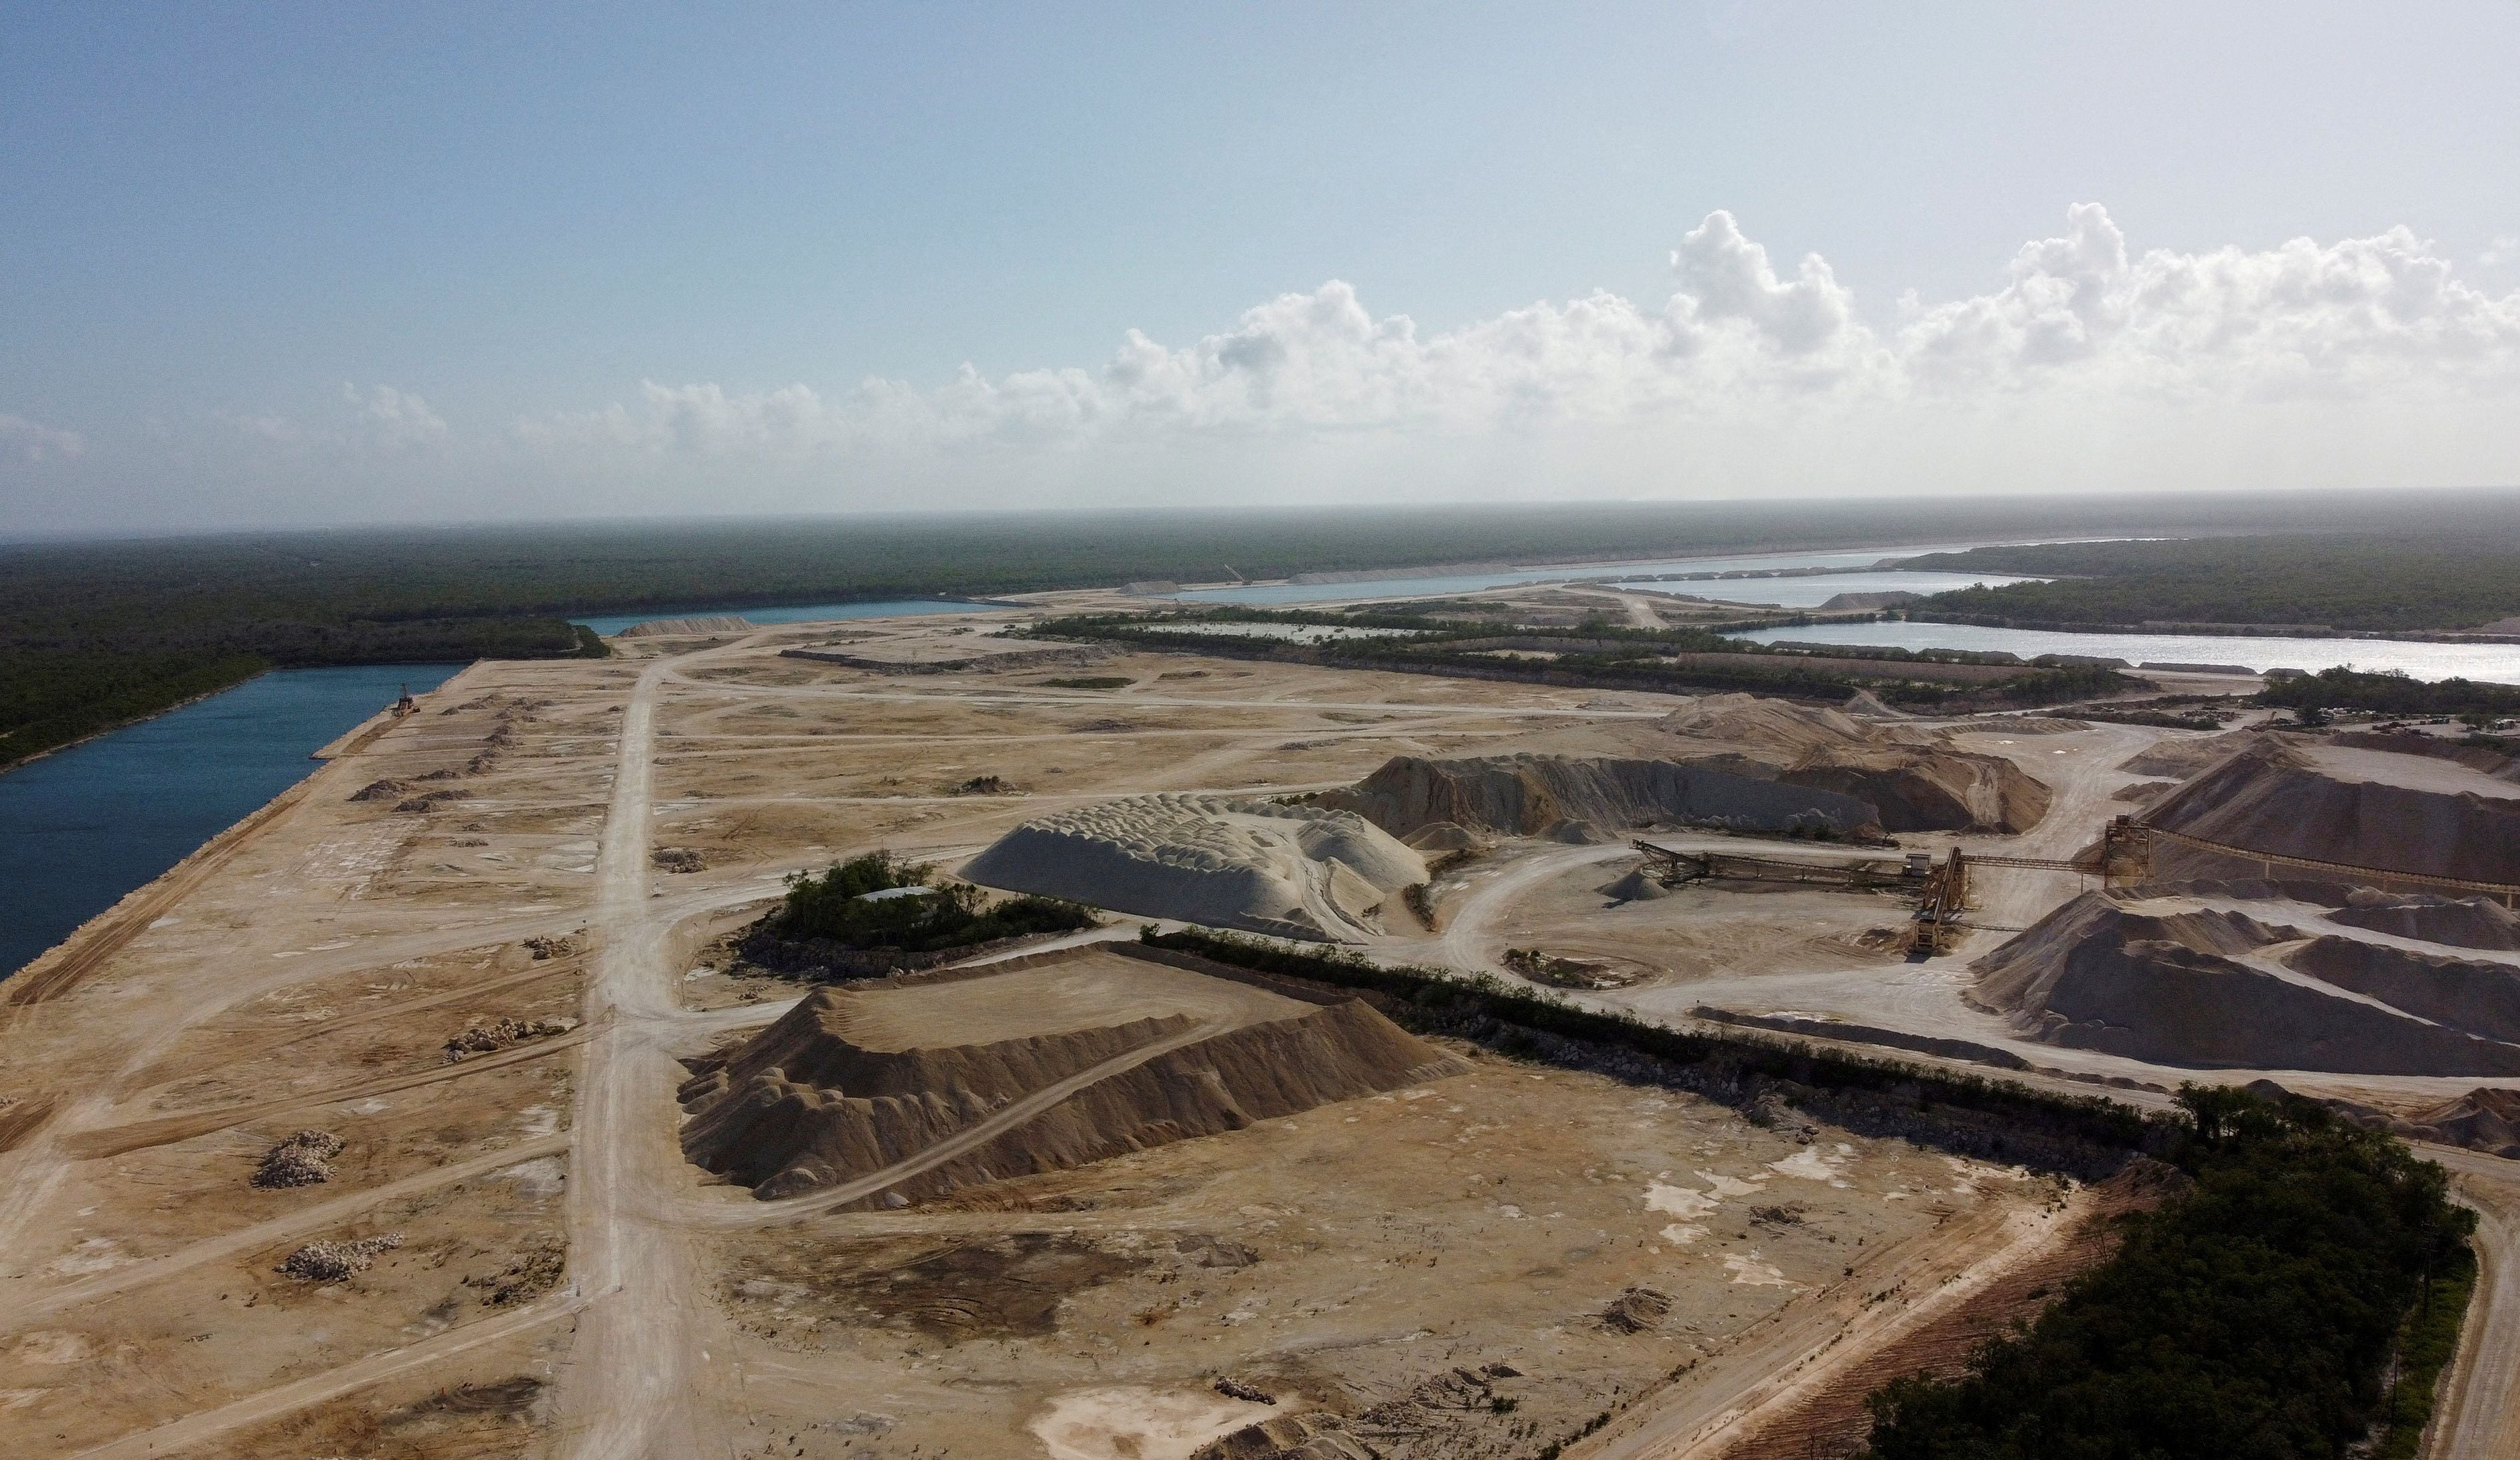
[2426, 1345]
[1600, 654]
[2255, 1315]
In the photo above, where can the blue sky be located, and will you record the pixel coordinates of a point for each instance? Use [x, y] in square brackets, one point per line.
[314, 263]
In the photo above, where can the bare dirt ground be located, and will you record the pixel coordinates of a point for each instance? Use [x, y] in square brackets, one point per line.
[567, 1284]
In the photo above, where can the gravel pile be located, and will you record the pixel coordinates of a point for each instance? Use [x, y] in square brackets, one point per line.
[304, 1159]
[333, 1262]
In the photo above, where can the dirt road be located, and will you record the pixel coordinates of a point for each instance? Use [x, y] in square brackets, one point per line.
[1728, 1397]
[640, 1381]
[2477, 1415]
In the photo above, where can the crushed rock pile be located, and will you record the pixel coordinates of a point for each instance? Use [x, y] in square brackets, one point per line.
[2468, 923]
[303, 1159]
[2179, 756]
[333, 1262]
[1636, 1310]
[2208, 990]
[2418, 814]
[500, 1033]
[1223, 861]
[2461, 993]
[1635, 886]
[800, 1107]
[1727, 761]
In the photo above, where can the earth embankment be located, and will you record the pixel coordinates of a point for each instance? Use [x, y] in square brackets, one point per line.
[809, 1103]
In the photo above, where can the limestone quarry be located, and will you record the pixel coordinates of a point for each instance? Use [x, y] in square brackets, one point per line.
[1086, 1202]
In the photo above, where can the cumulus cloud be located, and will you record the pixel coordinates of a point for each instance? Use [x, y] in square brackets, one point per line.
[32, 440]
[392, 418]
[2079, 318]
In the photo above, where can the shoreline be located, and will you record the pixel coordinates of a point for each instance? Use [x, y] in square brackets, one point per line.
[141, 719]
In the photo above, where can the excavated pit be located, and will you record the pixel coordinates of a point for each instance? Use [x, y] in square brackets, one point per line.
[852, 1083]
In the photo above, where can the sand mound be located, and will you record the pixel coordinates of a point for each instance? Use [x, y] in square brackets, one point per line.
[2364, 807]
[2474, 922]
[2173, 989]
[1441, 836]
[1529, 796]
[2481, 1119]
[1913, 777]
[2184, 755]
[1635, 886]
[815, 1099]
[1293, 871]
[2459, 993]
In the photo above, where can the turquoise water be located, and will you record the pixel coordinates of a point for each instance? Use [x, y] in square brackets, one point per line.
[81, 827]
[613, 624]
[2499, 662]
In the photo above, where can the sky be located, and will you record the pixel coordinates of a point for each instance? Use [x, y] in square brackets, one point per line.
[284, 264]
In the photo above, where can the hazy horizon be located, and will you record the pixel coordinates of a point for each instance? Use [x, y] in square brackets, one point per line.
[345, 268]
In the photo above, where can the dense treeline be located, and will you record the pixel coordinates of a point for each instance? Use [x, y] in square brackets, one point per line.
[166, 610]
[2252, 1318]
[2398, 582]
[2389, 692]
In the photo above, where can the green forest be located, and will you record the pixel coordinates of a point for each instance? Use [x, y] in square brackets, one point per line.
[2252, 1318]
[2343, 581]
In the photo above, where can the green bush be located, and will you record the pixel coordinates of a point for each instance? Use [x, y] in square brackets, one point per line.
[834, 907]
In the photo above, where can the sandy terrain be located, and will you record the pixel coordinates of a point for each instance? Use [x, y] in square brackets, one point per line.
[568, 1283]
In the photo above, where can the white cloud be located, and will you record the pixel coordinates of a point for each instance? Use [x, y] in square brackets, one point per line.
[391, 417]
[2079, 321]
[32, 440]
